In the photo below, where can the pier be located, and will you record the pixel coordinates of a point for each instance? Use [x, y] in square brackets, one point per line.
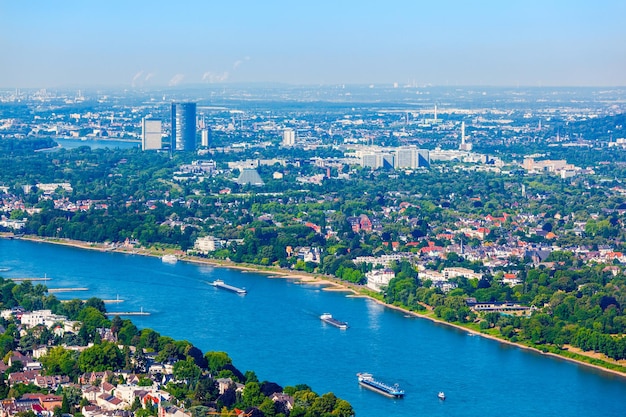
[104, 301]
[56, 290]
[30, 279]
[113, 301]
[127, 313]
[117, 300]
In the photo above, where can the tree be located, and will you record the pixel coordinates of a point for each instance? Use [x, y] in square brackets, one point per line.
[250, 376]
[252, 396]
[96, 303]
[268, 407]
[73, 395]
[65, 405]
[343, 409]
[206, 390]
[116, 324]
[136, 405]
[102, 357]
[197, 356]
[187, 371]
[217, 361]
[126, 334]
[7, 344]
[59, 360]
[323, 405]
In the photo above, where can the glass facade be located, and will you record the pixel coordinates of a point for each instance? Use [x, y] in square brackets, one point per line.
[183, 127]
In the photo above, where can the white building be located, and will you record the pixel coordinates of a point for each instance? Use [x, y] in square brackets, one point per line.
[289, 137]
[204, 135]
[44, 317]
[50, 188]
[13, 223]
[464, 146]
[461, 272]
[207, 244]
[385, 260]
[376, 160]
[379, 278]
[411, 157]
[150, 134]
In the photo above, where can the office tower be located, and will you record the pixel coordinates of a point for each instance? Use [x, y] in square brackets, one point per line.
[411, 157]
[183, 127]
[204, 135]
[376, 160]
[406, 157]
[423, 158]
[150, 134]
[464, 145]
[289, 137]
[369, 160]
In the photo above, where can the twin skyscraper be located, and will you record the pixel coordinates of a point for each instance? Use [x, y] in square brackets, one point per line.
[183, 131]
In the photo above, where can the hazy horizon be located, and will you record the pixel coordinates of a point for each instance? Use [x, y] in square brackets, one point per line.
[158, 44]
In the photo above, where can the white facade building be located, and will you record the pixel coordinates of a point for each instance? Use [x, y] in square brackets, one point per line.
[44, 317]
[150, 134]
[379, 278]
[289, 137]
[207, 244]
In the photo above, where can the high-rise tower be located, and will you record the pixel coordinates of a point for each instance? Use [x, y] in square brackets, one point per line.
[289, 137]
[150, 134]
[464, 146]
[183, 127]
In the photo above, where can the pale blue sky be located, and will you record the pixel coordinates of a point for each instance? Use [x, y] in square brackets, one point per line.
[155, 43]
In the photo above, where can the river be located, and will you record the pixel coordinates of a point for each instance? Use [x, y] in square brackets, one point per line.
[275, 330]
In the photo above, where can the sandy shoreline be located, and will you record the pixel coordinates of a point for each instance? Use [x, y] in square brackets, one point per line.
[327, 283]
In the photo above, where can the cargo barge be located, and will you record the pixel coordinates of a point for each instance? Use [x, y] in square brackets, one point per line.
[328, 318]
[367, 381]
[221, 284]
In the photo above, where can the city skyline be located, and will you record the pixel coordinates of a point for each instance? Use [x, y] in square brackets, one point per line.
[154, 44]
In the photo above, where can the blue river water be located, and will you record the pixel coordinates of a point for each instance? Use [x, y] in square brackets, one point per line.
[275, 330]
[97, 143]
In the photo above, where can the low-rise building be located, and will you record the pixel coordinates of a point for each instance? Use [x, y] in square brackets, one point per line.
[379, 278]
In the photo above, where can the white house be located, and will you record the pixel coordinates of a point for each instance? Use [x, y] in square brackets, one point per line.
[379, 278]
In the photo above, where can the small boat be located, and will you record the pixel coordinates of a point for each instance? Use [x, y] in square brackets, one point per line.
[441, 395]
[170, 259]
[328, 318]
[367, 381]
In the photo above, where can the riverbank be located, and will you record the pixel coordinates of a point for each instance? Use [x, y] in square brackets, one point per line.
[332, 284]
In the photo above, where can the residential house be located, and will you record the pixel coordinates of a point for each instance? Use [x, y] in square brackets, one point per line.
[432, 250]
[51, 382]
[169, 410]
[93, 377]
[91, 392]
[359, 223]
[11, 407]
[284, 402]
[511, 280]
[26, 377]
[110, 402]
[47, 401]
[453, 272]
[223, 384]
